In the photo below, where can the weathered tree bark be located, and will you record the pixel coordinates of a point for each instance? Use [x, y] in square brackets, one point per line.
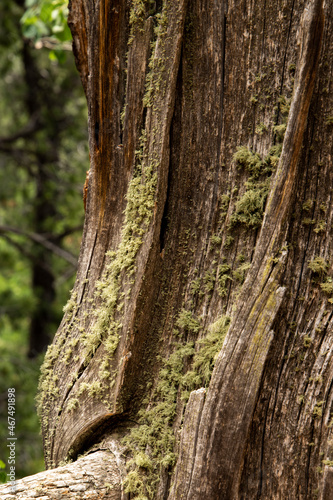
[190, 132]
[95, 476]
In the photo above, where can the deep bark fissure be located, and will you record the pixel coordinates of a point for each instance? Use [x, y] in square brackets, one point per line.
[262, 449]
[284, 61]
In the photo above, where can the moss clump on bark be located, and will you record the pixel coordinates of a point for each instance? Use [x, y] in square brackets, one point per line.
[151, 444]
[318, 265]
[249, 208]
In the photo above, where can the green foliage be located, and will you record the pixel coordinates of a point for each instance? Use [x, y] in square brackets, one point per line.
[22, 374]
[46, 20]
[3, 475]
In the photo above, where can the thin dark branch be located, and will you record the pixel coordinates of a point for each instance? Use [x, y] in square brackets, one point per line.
[68, 231]
[38, 238]
[29, 129]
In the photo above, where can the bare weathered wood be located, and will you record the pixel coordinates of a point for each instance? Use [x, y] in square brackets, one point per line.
[187, 448]
[95, 476]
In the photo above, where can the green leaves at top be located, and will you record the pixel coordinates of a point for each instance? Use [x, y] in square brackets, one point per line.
[45, 23]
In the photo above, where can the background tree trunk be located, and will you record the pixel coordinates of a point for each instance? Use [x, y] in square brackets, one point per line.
[209, 204]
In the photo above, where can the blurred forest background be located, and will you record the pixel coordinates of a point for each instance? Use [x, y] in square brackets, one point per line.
[43, 163]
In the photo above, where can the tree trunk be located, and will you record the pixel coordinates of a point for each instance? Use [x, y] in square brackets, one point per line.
[209, 209]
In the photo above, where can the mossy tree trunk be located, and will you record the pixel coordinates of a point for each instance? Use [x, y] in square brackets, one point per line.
[209, 210]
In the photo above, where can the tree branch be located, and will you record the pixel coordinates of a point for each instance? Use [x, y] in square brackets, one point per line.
[95, 476]
[29, 129]
[38, 238]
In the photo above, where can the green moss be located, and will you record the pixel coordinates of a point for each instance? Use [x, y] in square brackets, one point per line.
[320, 227]
[216, 239]
[329, 120]
[209, 347]
[223, 278]
[318, 265]
[327, 286]
[195, 286]
[138, 212]
[119, 265]
[239, 273]
[307, 341]
[72, 404]
[228, 241]
[209, 281]
[155, 82]
[187, 321]
[224, 204]
[284, 103]
[327, 462]
[280, 130]
[137, 17]
[307, 221]
[249, 208]
[250, 161]
[261, 128]
[318, 409]
[307, 205]
[151, 443]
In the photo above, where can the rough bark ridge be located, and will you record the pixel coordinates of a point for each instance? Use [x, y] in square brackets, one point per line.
[208, 204]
